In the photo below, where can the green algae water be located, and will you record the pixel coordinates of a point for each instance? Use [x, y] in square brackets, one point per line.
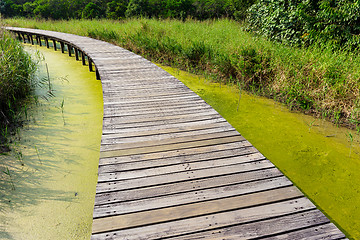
[48, 182]
[321, 159]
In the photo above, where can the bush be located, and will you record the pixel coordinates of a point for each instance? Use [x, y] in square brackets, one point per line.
[305, 22]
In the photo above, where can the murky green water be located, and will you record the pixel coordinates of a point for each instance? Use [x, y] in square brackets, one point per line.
[55, 169]
[313, 153]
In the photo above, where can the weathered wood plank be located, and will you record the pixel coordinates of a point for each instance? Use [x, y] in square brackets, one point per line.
[274, 226]
[328, 231]
[160, 142]
[212, 221]
[186, 167]
[178, 155]
[165, 130]
[193, 210]
[179, 177]
[126, 164]
[162, 148]
[117, 208]
[185, 186]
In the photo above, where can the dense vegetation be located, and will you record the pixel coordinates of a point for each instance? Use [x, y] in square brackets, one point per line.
[319, 74]
[304, 22]
[16, 82]
[315, 80]
[119, 9]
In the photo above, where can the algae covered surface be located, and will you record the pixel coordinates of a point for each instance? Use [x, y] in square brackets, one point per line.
[49, 189]
[321, 159]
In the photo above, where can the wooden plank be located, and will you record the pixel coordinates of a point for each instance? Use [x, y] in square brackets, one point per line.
[162, 148]
[158, 143]
[165, 136]
[177, 155]
[193, 166]
[119, 125]
[120, 100]
[165, 130]
[179, 177]
[209, 222]
[274, 226]
[327, 231]
[168, 111]
[125, 164]
[192, 210]
[186, 186]
[221, 192]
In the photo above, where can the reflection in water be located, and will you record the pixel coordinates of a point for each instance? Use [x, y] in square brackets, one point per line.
[54, 162]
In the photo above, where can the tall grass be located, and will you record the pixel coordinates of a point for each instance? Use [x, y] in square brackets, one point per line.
[315, 80]
[16, 82]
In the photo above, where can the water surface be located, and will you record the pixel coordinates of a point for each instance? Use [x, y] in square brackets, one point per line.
[320, 158]
[55, 158]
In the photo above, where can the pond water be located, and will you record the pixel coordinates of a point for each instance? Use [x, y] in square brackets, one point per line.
[53, 167]
[321, 159]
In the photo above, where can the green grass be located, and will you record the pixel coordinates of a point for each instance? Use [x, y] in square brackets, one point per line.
[16, 84]
[314, 80]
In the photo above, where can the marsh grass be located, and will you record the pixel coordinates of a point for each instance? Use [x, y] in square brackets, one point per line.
[17, 83]
[315, 80]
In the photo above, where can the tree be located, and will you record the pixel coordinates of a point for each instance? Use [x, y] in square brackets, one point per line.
[116, 9]
[137, 8]
[178, 8]
[91, 11]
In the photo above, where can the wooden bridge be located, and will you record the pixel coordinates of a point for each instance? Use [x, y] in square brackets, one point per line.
[171, 167]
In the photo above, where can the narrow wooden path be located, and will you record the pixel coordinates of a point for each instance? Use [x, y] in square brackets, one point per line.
[172, 168]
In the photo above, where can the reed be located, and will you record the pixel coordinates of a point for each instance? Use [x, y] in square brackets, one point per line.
[316, 80]
[17, 83]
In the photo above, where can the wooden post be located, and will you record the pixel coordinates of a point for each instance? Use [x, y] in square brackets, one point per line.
[47, 42]
[62, 47]
[39, 41]
[54, 43]
[83, 58]
[97, 74]
[23, 37]
[90, 65]
[76, 54]
[19, 36]
[32, 40]
[69, 49]
[28, 37]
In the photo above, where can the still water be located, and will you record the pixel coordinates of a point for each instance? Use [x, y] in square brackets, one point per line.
[323, 160]
[54, 163]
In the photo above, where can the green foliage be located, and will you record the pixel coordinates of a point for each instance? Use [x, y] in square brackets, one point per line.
[16, 78]
[118, 9]
[305, 22]
[138, 8]
[92, 10]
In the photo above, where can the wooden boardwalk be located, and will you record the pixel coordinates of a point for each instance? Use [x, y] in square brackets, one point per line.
[172, 168]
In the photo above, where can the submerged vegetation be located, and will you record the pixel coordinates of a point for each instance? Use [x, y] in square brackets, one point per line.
[316, 80]
[16, 84]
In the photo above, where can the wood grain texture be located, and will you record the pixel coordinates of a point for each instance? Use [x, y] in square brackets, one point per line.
[171, 167]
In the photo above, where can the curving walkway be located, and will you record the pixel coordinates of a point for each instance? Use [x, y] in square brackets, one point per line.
[171, 167]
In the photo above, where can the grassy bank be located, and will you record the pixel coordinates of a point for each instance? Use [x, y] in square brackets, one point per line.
[313, 80]
[16, 84]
